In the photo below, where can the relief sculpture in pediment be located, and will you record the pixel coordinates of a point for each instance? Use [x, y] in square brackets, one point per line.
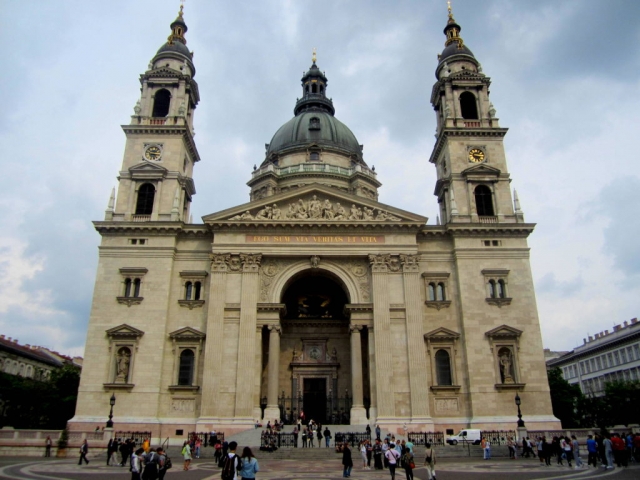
[317, 209]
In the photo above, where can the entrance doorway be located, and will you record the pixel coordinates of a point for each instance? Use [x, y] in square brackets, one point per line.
[315, 399]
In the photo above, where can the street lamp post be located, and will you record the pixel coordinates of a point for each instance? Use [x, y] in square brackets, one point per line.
[112, 402]
[520, 421]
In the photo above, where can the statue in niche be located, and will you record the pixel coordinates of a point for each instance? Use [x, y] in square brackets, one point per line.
[506, 366]
[123, 360]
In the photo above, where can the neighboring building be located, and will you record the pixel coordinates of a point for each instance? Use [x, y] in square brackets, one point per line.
[30, 361]
[313, 296]
[550, 355]
[604, 357]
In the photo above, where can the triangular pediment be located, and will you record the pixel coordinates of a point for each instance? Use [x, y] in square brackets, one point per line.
[504, 331]
[147, 167]
[315, 203]
[124, 331]
[481, 169]
[442, 333]
[162, 72]
[187, 333]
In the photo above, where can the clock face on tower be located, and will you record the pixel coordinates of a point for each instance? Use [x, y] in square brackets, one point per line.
[476, 155]
[152, 152]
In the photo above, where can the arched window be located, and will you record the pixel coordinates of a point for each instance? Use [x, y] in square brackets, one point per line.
[492, 289]
[127, 287]
[443, 368]
[306, 88]
[146, 194]
[196, 290]
[484, 202]
[136, 287]
[185, 373]
[188, 290]
[314, 88]
[468, 106]
[321, 89]
[440, 294]
[432, 292]
[161, 103]
[501, 289]
[29, 371]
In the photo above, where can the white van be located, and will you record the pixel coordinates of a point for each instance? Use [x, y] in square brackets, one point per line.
[468, 435]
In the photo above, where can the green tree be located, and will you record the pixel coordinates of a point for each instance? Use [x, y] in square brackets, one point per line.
[564, 399]
[623, 399]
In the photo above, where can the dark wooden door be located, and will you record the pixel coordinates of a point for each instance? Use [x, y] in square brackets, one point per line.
[315, 399]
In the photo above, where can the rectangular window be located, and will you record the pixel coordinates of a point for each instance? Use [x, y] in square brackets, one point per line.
[623, 355]
[598, 364]
[610, 360]
[616, 358]
[636, 349]
[630, 354]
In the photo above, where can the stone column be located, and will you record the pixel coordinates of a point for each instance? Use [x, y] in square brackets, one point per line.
[417, 361]
[373, 408]
[257, 411]
[272, 411]
[358, 413]
[214, 344]
[246, 338]
[382, 324]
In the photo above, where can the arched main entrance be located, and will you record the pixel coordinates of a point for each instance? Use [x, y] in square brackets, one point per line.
[315, 349]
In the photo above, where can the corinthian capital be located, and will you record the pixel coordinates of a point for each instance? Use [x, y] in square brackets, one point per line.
[379, 263]
[409, 263]
[250, 262]
[219, 261]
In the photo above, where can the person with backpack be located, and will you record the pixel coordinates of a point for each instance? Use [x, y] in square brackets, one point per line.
[249, 464]
[392, 456]
[407, 463]
[164, 463]
[151, 460]
[232, 463]
[430, 461]
[186, 454]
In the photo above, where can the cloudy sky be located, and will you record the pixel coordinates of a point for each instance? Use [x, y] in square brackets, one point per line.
[565, 81]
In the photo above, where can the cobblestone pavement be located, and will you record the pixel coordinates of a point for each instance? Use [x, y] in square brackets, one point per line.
[449, 469]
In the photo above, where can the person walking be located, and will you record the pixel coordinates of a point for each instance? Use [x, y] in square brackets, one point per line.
[249, 464]
[151, 460]
[576, 452]
[47, 446]
[84, 449]
[592, 452]
[608, 452]
[392, 457]
[186, 454]
[407, 463]
[512, 448]
[385, 448]
[295, 436]
[136, 464]
[232, 464]
[304, 437]
[430, 461]
[163, 465]
[319, 435]
[347, 461]
[567, 449]
[486, 448]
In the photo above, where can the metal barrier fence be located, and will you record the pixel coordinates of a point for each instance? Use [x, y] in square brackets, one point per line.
[422, 438]
[271, 441]
[354, 438]
[137, 437]
[498, 437]
[207, 438]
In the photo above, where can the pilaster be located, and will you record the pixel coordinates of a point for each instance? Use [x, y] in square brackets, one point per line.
[246, 337]
[382, 325]
[215, 336]
[415, 340]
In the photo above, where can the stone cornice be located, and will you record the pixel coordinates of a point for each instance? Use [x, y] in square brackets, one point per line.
[151, 228]
[250, 226]
[182, 130]
[463, 132]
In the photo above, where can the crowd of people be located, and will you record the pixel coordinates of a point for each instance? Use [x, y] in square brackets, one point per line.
[388, 453]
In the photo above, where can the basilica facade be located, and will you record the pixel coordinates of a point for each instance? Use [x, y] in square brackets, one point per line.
[313, 297]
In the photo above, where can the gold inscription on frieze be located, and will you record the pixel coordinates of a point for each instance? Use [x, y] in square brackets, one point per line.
[338, 239]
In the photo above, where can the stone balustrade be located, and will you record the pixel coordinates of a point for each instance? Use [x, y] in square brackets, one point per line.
[312, 168]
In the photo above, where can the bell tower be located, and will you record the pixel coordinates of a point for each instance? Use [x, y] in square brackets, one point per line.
[155, 181]
[473, 180]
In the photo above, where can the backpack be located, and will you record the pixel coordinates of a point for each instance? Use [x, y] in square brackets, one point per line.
[231, 466]
[167, 462]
